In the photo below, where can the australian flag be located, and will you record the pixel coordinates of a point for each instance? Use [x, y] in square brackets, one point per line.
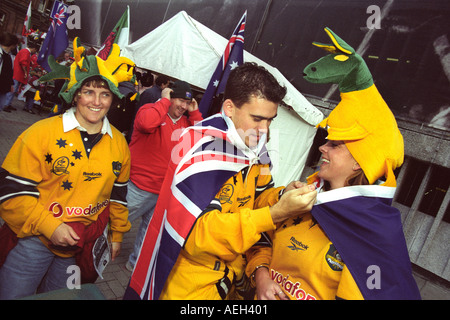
[207, 159]
[56, 40]
[367, 232]
[231, 58]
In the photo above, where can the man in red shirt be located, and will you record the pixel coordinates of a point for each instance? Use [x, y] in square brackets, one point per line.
[156, 131]
[21, 71]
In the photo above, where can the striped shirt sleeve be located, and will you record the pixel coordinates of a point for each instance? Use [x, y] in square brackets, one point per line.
[13, 186]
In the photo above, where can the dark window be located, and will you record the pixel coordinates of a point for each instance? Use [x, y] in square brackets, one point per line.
[415, 173]
[435, 191]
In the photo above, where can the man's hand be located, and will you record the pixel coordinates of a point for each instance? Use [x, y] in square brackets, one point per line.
[193, 105]
[293, 203]
[294, 185]
[165, 93]
[64, 236]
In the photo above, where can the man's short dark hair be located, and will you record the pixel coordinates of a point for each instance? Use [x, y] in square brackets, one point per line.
[147, 79]
[33, 45]
[161, 79]
[8, 39]
[249, 80]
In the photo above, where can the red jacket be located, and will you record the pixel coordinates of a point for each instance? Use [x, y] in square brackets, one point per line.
[82, 250]
[154, 136]
[23, 59]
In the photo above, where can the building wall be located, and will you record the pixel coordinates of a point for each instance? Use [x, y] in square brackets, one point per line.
[13, 12]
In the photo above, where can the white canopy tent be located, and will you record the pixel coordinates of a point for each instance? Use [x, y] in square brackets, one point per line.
[185, 49]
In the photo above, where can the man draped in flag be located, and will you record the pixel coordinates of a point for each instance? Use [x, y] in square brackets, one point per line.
[56, 40]
[120, 35]
[232, 57]
[217, 199]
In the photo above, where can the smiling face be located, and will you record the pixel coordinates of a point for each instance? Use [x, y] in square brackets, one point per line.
[252, 119]
[92, 103]
[178, 107]
[337, 163]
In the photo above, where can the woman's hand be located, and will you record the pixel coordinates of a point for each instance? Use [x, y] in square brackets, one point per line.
[64, 236]
[115, 249]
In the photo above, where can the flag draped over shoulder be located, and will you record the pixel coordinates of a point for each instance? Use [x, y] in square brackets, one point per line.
[367, 232]
[204, 159]
[120, 34]
[56, 40]
[232, 57]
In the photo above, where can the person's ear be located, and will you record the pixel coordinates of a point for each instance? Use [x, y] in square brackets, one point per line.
[75, 98]
[356, 166]
[228, 107]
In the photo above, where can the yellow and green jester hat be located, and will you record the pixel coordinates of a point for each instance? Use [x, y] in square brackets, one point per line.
[113, 70]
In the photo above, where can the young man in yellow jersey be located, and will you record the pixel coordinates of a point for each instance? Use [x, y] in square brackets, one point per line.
[218, 198]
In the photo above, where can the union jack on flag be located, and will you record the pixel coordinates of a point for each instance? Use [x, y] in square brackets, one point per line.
[59, 17]
[232, 57]
[202, 162]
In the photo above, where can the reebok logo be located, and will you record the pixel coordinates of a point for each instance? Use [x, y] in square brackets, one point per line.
[297, 245]
[89, 176]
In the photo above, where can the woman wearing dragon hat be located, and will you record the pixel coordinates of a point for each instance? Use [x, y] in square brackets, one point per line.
[351, 245]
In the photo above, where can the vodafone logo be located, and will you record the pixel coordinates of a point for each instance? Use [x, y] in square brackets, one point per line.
[58, 210]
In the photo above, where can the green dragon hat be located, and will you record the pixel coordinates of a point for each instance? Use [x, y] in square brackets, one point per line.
[362, 119]
[113, 70]
[342, 66]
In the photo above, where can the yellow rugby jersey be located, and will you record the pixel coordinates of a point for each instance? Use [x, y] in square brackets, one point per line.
[212, 257]
[305, 263]
[52, 179]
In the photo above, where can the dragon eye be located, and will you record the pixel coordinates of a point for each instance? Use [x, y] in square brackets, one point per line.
[314, 69]
[341, 57]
